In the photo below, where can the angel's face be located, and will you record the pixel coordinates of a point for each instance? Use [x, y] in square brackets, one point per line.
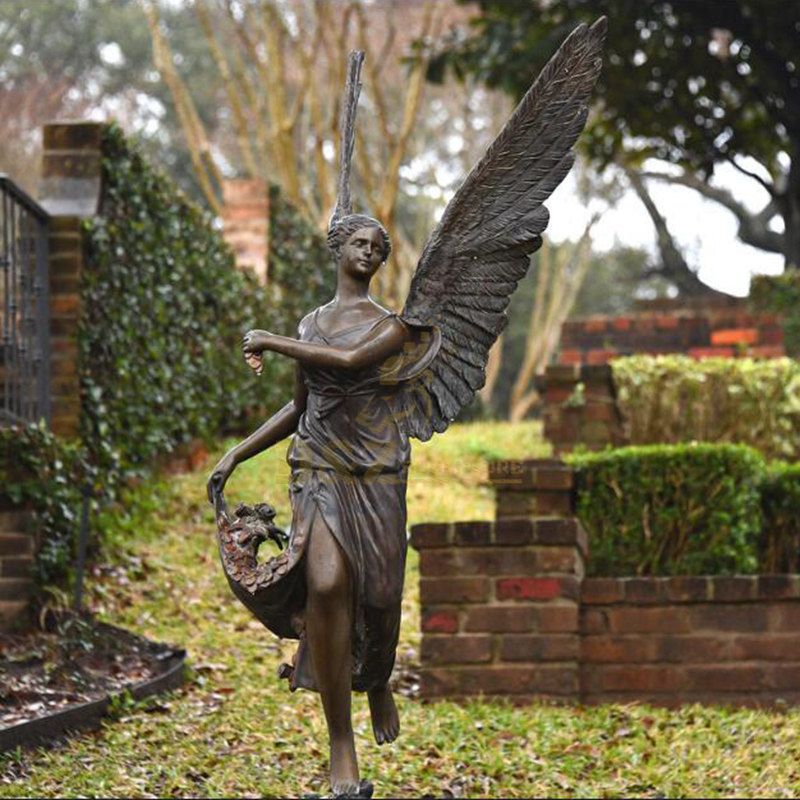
[362, 253]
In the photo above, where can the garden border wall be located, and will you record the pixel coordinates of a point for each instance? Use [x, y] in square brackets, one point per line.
[726, 328]
[579, 394]
[506, 610]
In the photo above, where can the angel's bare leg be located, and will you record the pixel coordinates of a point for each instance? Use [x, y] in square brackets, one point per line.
[329, 624]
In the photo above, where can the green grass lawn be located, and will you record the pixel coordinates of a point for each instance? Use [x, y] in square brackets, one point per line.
[234, 730]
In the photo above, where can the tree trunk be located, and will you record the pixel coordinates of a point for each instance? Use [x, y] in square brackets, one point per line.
[673, 265]
[493, 366]
[790, 206]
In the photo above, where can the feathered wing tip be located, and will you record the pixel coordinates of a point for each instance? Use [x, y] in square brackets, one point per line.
[481, 247]
[347, 126]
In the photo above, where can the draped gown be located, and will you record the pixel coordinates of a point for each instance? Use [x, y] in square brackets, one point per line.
[349, 464]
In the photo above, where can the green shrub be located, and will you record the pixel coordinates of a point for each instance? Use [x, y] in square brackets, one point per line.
[780, 504]
[671, 399]
[301, 268]
[165, 310]
[780, 294]
[671, 509]
[45, 474]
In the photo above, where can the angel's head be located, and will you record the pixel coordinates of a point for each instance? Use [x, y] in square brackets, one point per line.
[359, 243]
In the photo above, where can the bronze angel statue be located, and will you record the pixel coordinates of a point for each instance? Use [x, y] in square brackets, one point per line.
[368, 380]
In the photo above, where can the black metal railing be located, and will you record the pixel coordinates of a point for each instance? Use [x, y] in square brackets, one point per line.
[24, 308]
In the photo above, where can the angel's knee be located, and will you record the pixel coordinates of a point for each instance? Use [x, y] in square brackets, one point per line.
[327, 573]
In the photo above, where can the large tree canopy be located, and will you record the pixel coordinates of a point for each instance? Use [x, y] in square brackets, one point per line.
[692, 83]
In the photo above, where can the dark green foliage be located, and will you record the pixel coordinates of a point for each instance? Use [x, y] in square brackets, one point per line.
[780, 503]
[780, 294]
[663, 76]
[671, 509]
[302, 275]
[671, 399]
[301, 268]
[165, 310]
[693, 83]
[45, 474]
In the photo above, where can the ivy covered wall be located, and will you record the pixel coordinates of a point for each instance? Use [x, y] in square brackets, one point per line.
[165, 310]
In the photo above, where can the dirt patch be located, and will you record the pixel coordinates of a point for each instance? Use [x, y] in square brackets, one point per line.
[78, 661]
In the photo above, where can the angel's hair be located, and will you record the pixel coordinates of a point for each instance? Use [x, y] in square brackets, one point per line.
[342, 229]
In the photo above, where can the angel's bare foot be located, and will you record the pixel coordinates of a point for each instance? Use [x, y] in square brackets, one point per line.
[344, 767]
[385, 719]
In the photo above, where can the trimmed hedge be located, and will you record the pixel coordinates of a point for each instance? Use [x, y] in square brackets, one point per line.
[164, 312]
[45, 474]
[671, 509]
[671, 399]
[780, 504]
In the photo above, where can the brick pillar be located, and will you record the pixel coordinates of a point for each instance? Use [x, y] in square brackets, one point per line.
[540, 486]
[17, 545]
[70, 192]
[581, 408]
[245, 220]
[500, 607]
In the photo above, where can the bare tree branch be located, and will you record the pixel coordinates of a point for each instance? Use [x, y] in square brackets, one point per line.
[560, 276]
[228, 81]
[755, 176]
[675, 267]
[493, 366]
[753, 228]
[196, 138]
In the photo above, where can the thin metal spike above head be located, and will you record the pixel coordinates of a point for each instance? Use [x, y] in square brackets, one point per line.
[347, 126]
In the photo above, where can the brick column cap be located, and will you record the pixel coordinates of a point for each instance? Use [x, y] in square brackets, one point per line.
[71, 168]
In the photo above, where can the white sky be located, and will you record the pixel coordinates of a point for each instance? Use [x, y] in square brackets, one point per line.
[705, 231]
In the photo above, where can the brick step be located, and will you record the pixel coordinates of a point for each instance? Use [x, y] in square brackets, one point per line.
[15, 588]
[16, 566]
[12, 614]
[16, 544]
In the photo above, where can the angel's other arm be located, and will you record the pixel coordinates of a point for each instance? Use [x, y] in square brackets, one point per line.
[387, 340]
[277, 427]
[280, 425]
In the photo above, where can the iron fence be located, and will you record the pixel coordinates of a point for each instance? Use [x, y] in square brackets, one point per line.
[24, 311]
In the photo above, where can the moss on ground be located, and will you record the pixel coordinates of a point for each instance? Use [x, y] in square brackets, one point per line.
[235, 731]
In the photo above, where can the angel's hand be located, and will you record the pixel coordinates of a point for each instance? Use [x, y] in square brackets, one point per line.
[256, 342]
[219, 477]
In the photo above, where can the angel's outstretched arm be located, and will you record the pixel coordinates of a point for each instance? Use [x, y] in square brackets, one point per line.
[387, 340]
[280, 425]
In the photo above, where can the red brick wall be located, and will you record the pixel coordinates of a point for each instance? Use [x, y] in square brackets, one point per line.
[594, 420]
[678, 640]
[700, 332]
[539, 486]
[500, 607]
[506, 610]
[245, 223]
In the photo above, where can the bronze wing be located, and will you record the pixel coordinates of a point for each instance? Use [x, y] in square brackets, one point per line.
[481, 248]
